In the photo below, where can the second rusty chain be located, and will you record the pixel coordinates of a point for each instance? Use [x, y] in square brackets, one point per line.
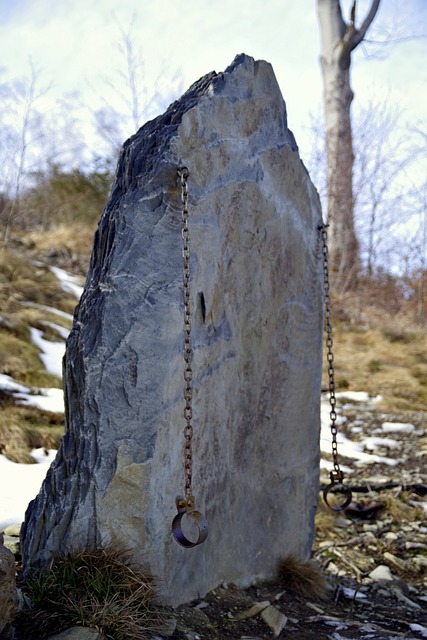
[336, 475]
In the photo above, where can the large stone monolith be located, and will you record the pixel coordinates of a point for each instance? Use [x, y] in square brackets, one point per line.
[257, 324]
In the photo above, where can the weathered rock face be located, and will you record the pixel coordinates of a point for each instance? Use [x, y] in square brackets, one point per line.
[8, 595]
[257, 294]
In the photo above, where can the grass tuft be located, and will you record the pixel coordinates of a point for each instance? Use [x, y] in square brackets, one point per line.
[399, 508]
[100, 589]
[303, 578]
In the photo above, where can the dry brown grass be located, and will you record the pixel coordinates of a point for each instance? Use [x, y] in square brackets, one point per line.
[304, 578]
[382, 354]
[12, 435]
[22, 280]
[20, 456]
[327, 522]
[25, 428]
[101, 589]
[396, 505]
[64, 245]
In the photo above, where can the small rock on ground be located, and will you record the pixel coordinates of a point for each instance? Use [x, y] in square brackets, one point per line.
[274, 619]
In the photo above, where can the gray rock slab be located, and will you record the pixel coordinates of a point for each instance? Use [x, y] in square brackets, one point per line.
[256, 285]
[8, 594]
[13, 544]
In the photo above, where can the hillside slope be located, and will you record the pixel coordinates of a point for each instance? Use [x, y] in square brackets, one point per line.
[375, 351]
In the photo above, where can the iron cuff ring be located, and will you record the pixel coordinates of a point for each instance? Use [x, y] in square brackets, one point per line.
[346, 491]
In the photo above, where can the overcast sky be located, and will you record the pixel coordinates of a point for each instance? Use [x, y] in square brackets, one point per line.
[74, 43]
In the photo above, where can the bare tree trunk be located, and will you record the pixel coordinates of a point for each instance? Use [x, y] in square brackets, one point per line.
[423, 270]
[339, 39]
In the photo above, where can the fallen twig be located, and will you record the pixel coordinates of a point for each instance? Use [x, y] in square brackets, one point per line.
[417, 488]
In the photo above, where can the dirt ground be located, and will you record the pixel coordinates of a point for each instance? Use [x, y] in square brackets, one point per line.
[372, 557]
[385, 526]
[381, 615]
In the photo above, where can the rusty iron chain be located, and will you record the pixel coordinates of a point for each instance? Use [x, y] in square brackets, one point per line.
[336, 475]
[329, 347]
[186, 505]
[188, 345]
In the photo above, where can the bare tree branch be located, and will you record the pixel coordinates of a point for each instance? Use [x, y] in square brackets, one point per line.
[353, 36]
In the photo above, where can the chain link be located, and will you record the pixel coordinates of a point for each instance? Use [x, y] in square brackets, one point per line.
[188, 345]
[330, 354]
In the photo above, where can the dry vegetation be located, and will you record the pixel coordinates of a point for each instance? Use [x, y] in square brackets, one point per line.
[28, 289]
[23, 429]
[100, 589]
[63, 246]
[380, 352]
[304, 578]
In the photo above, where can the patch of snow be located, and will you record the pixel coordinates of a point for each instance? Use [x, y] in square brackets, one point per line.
[72, 284]
[352, 593]
[52, 352]
[43, 456]
[44, 307]
[9, 384]
[358, 396]
[346, 447]
[353, 450]
[419, 628]
[372, 442]
[47, 400]
[397, 427]
[19, 484]
[329, 465]
[325, 410]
